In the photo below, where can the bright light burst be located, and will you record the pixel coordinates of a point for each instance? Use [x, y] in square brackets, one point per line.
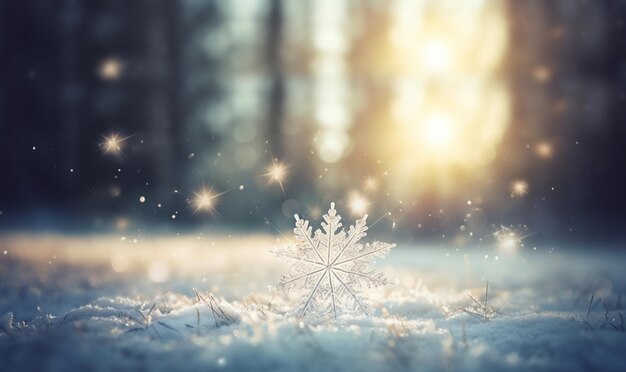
[519, 188]
[357, 203]
[277, 173]
[205, 200]
[508, 239]
[113, 144]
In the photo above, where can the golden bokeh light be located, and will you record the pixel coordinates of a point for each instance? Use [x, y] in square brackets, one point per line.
[519, 188]
[439, 132]
[451, 106]
[111, 69]
[544, 150]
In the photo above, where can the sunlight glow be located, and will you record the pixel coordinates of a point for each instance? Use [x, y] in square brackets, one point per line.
[438, 131]
[436, 55]
[451, 107]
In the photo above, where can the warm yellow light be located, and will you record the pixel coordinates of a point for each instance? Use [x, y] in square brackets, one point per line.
[519, 188]
[205, 200]
[276, 173]
[508, 239]
[357, 204]
[113, 144]
[451, 108]
[439, 132]
[542, 74]
[371, 184]
[331, 145]
[111, 69]
[543, 150]
[436, 55]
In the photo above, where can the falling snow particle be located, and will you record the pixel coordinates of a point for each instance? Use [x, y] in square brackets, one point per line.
[241, 187]
[173, 216]
[142, 199]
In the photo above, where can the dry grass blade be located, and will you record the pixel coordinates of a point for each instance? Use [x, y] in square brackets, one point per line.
[487, 311]
[198, 321]
[168, 327]
[216, 309]
[475, 301]
[151, 309]
[486, 296]
[480, 316]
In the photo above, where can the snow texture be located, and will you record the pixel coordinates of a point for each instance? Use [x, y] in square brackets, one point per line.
[332, 267]
[94, 304]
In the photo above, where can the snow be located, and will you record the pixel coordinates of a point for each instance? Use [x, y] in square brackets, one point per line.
[89, 303]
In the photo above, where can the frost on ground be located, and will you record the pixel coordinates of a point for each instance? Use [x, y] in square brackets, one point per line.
[98, 303]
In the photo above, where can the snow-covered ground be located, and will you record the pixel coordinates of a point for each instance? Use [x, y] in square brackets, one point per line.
[103, 303]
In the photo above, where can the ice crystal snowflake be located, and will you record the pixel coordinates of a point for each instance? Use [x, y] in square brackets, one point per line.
[331, 267]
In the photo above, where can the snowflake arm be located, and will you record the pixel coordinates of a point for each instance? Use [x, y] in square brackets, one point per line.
[302, 231]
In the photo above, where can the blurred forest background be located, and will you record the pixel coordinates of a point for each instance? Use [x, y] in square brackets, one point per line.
[473, 113]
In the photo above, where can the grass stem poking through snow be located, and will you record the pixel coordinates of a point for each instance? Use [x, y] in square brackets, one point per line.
[484, 311]
[219, 316]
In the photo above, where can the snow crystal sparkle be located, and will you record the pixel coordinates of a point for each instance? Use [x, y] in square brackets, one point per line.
[331, 267]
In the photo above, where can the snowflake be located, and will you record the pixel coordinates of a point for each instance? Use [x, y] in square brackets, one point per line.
[331, 267]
